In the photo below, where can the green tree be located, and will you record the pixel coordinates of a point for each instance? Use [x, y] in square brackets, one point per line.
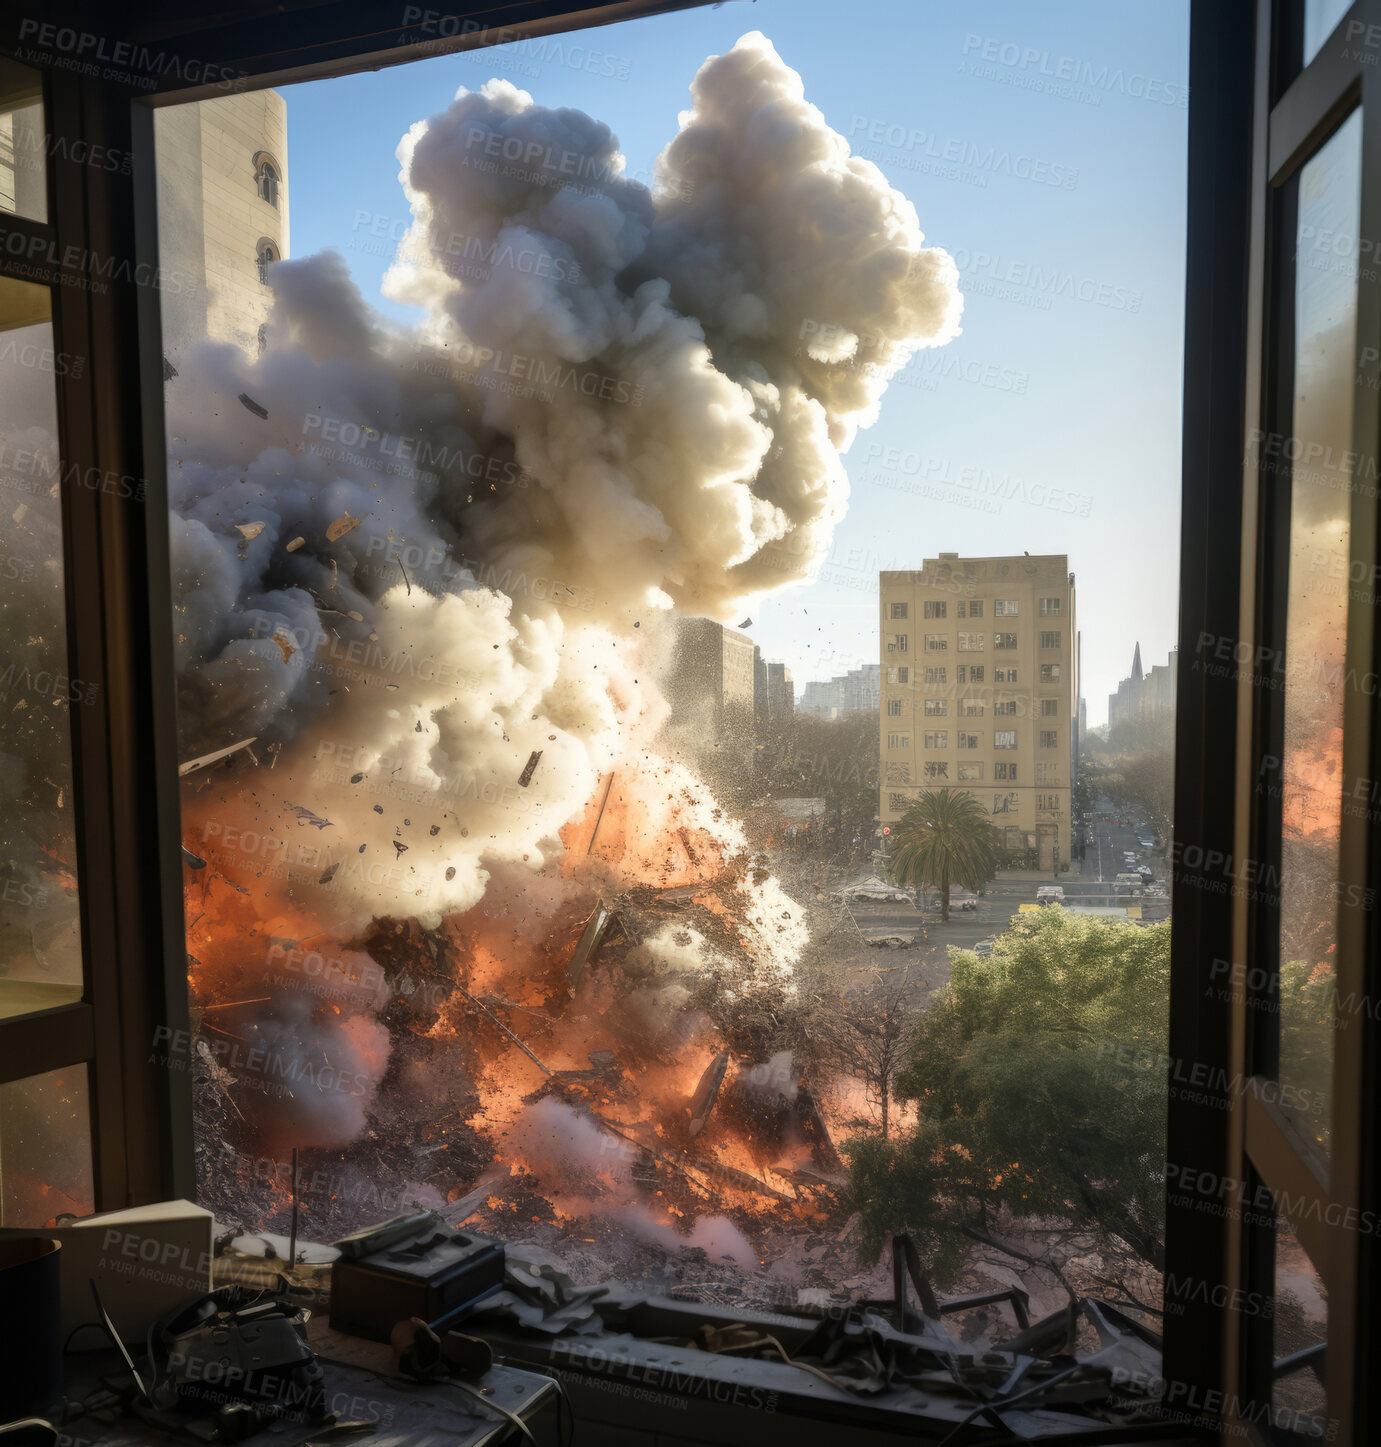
[1040, 1082]
[1312, 1012]
[944, 839]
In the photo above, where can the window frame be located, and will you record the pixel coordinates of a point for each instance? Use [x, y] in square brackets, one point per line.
[1265, 119]
[118, 592]
[118, 595]
[266, 161]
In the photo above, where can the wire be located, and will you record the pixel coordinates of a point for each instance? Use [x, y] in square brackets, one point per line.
[119, 1345]
[494, 1406]
[82, 1326]
[563, 1401]
[564, 1409]
[450, 1381]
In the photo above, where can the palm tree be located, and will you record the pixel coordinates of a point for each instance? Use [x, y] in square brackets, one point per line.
[944, 839]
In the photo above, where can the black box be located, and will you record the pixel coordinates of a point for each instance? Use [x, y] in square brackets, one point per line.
[429, 1274]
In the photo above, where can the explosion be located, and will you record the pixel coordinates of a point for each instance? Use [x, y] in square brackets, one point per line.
[423, 582]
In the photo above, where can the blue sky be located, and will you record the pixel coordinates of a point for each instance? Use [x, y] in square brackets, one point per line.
[1041, 144]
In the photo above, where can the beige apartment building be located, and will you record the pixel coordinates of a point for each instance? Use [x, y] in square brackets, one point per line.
[980, 686]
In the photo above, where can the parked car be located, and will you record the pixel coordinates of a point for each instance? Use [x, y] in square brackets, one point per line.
[1050, 894]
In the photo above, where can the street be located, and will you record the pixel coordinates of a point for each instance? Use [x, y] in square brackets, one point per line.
[1091, 882]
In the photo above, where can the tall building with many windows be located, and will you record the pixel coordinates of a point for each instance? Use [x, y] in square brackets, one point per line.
[709, 682]
[980, 690]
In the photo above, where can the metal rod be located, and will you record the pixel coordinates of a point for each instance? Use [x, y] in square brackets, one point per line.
[599, 818]
[292, 1239]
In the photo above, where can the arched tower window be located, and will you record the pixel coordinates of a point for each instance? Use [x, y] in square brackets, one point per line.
[267, 177]
[266, 253]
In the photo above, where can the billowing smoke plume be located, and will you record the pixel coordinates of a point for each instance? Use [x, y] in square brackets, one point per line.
[417, 566]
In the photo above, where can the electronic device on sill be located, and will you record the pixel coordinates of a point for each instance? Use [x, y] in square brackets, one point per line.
[410, 1266]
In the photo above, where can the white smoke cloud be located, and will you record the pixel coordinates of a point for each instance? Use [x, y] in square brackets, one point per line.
[716, 1236]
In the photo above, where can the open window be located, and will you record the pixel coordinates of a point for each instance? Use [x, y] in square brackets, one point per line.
[1274, 864]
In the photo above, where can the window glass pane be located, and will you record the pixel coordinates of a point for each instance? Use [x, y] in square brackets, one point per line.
[1320, 18]
[1299, 1327]
[45, 1148]
[40, 936]
[1316, 628]
[23, 148]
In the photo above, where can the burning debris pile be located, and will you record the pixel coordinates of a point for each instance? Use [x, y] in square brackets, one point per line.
[460, 921]
[595, 1045]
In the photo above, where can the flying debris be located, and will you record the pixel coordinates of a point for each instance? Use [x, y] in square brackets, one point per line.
[249, 530]
[747, 623]
[193, 861]
[307, 817]
[329, 873]
[293, 546]
[702, 1103]
[603, 926]
[525, 778]
[169, 371]
[192, 765]
[342, 525]
[253, 406]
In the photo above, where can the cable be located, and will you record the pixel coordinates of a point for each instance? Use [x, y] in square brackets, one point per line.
[115, 1337]
[485, 1402]
[411, 1382]
[563, 1402]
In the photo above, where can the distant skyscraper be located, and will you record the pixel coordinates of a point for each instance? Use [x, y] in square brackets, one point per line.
[781, 693]
[853, 692]
[1144, 695]
[710, 682]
